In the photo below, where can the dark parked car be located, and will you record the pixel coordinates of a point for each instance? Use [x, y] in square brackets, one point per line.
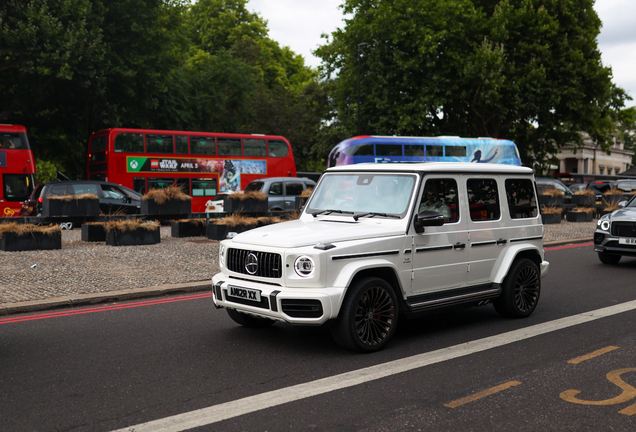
[599, 187]
[615, 234]
[113, 198]
[544, 183]
[575, 187]
[281, 191]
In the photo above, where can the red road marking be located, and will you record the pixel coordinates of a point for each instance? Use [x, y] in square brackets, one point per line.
[102, 308]
[569, 246]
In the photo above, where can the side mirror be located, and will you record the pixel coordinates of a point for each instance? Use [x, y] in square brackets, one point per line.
[622, 204]
[127, 200]
[428, 218]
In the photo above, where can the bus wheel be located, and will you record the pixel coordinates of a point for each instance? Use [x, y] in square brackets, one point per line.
[368, 316]
[248, 320]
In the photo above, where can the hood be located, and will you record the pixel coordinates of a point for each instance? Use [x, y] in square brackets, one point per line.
[626, 213]
[299, 233]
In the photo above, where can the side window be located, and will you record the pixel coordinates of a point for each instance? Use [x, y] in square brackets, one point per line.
[159, 144]
[254, 147]
[202, 145]
[483, 199]
[293, 189]
[204, 187]
[57, 190]
[129, 142]
[229, 147]
[277, 148]
[79, 189]
[160, 183]
[276, 189]
[521, 200]
[181, 144]
[111, 192]
[440, 195]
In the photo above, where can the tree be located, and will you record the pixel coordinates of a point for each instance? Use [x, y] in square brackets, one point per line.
[526, 70]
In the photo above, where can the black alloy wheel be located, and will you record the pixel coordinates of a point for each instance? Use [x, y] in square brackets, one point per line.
[520, 291]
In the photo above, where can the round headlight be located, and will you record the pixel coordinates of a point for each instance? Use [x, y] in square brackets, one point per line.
[605, 225]
[304, 266]
[222, 256]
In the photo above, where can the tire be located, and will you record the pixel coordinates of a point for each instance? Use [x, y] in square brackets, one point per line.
[368, 316]
[248, 320]
[521, 290]
[609, 258]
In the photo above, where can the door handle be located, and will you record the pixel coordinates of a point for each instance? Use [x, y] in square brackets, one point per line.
[501, 242]
[459, 245]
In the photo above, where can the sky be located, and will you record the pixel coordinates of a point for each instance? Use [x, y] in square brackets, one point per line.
[299, 24]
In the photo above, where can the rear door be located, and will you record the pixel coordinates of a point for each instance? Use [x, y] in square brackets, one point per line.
[293, 189]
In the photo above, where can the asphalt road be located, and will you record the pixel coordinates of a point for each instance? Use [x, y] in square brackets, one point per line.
[122, 365]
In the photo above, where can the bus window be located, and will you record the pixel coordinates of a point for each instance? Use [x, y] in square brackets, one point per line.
[254, 147]
[388, 149]
[129, 142]
[434, 150]
[278, 148]
[139, 185]
[183, 183]
[361, 150]
[202, 145]
[98, 144]
[17, 187]
[413, 150]
[459, 151]
[181, 144]
[230, 147]
[159, 183]
[11, 141]
[159, 144]
[204, 187]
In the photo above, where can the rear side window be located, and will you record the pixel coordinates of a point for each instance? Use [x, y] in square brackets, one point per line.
[294, 189]
[79, 189]
[254, 186]
[57, 190]
[276, 189]
[483, 199]
[521, 200]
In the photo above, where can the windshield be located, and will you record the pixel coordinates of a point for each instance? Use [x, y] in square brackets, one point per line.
[363, 193]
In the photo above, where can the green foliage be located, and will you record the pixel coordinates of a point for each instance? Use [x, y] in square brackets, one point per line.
[46, 171]
[526, 70]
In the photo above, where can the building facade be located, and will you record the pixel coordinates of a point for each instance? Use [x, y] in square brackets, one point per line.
[591, 159]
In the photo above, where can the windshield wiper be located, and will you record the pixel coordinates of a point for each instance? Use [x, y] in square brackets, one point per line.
[372, 214]
[325, 212]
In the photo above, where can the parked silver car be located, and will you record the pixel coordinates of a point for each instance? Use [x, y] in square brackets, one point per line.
[281, 191]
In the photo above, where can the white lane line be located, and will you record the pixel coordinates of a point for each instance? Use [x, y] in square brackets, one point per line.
[224, 411]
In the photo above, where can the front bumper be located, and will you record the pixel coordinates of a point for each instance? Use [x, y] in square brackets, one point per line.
[545, 266]
[604, 242]
[292, 305]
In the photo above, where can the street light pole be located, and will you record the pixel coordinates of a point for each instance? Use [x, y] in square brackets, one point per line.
[358, 112]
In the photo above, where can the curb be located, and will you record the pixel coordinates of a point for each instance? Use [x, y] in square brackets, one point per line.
[568, 242]
[103, 297]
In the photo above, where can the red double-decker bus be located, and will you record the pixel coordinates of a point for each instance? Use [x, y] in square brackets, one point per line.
[203, 164]
[17, 167]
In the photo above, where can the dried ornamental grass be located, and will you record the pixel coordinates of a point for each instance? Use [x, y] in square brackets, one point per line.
[585, 192]
[242, 196]
[610, 205]
[198, 221]
[160, 196]
[551, 210]
[86, 196]
[25, 229]
[236, 219]
[552, 191]
[586, 210]
[614, 191]
[306, 193]
[131, 225]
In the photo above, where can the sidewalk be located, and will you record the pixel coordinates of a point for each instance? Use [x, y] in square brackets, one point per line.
[84, 273]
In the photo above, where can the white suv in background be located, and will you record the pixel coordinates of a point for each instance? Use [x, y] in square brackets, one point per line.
[378, 242]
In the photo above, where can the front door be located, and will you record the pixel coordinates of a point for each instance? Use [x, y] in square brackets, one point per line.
[440, 254]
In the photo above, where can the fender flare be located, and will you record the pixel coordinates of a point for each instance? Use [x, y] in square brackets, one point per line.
[510, 257]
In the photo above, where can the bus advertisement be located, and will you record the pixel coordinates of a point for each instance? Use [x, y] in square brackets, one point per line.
[383, 149]
[203, 164]
[17, 167]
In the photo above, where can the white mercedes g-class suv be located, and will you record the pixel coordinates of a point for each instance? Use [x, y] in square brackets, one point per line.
[376, 242]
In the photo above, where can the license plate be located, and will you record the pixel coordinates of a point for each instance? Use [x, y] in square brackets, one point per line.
[627, 240]
[244, 293]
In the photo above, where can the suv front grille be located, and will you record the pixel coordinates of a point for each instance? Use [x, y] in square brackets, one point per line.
[624, 229]
[268, 265]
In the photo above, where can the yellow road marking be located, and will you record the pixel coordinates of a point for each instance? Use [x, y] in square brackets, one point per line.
[630, 410]
[591, 355]
[482, 394]
[614, 377]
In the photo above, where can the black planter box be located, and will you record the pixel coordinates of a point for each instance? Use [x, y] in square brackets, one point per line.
[93, 233]
[248, 205]
[300, 202]
[73, 207]
[583, 200]
[11, 242]
[139, 236]
[549, 219]
[604, 212]
[219, 232]
[549, 200]
[187, 229]
[579, 217]
[170, 207]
